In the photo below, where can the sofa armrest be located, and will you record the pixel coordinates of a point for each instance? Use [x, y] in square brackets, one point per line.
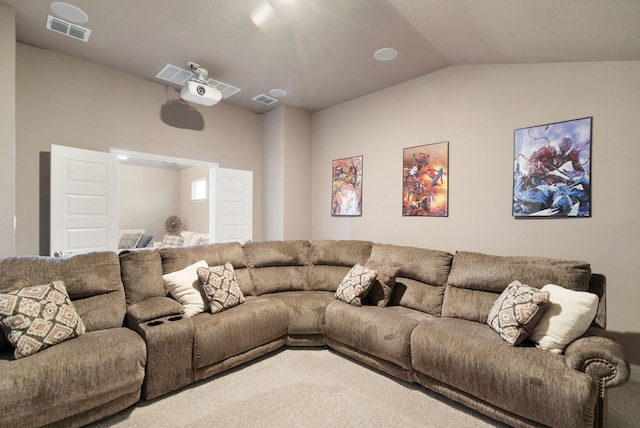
[600, 356]
[153, 308]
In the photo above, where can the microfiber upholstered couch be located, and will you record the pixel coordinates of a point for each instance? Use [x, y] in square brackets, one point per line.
[427, 324]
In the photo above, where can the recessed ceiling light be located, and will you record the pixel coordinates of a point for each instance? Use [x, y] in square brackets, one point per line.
[385, 54]
[278, 93]
[69, 12]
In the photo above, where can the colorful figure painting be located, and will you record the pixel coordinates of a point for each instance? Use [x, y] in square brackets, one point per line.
[346, 189]
[552, 170]
[425, 180]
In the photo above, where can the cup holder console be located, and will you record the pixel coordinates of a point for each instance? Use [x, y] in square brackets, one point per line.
[176, 318]
[155, 323]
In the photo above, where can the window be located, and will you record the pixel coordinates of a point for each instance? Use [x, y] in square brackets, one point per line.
[199, 189]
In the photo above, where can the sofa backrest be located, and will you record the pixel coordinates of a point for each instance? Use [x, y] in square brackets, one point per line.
[422, 276]
[141, 272]
[476, 280]
[331, 260]
[92, 281]
[278, 265]
[177, 258]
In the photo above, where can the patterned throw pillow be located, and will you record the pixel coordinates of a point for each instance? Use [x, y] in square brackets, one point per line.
[172, 240]
[129, 240]
[221, 287]
[37, 317]
[356, 285]
[516, 311]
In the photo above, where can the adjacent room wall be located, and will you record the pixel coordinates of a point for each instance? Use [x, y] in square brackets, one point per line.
[194, 214]
[476, 109]
[67, 101]
[7, 129]
[147, 197]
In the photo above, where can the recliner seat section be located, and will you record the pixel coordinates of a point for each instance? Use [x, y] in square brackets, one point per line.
[83, 379]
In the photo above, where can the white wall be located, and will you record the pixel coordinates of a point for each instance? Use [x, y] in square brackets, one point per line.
[476, 109]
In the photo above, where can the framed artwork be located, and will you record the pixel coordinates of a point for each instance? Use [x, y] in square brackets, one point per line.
[346, 188]
[425, 189]
[552, 170]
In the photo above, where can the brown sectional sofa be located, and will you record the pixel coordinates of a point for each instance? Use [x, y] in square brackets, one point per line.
[433, 332]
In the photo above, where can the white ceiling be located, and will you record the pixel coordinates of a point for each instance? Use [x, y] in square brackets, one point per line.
[321, 51]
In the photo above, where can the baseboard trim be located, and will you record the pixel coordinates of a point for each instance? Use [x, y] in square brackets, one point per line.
[635, 373]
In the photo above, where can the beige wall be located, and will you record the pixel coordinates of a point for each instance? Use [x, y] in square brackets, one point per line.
[476, 109]
[286, 176]
[7, 128]
[195, 215]
[67, 101]
[146, 197]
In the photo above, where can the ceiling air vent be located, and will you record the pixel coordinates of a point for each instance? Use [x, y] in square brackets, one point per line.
[265, 99]
[68, 29]
[179, 76]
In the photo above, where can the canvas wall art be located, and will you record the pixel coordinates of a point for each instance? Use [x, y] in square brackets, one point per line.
[552, 170]
[346, 188]
[425, 189]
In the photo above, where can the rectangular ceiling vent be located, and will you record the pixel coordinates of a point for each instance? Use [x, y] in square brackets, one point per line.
[225, 89]
[179, 76]
[265, 99]
[68, 29]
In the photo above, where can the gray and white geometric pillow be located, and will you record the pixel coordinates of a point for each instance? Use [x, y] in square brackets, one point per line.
[221, 287]
[516, 311]
[37, 317]
[355, 285]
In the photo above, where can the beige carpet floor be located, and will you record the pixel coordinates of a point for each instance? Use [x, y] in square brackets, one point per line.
[314, 388]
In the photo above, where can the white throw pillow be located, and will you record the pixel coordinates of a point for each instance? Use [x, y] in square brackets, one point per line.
[185, 287]
[568, 315]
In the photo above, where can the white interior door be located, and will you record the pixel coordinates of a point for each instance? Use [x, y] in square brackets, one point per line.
[233, 216]
[84, 201]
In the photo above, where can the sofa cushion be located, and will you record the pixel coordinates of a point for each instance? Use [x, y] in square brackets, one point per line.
[278, 265]
[172, 240]
[516, 311]
[384, 333]
[141, 273]
[184, 286]
[221, 287]
[383, 284]
[306, 310]
[129, 240]
[332, 259]
[470, 357]
[568, 317]
[92, 281]
[421, 277]
[477, 279]
[217, 337]
[355, 285]
[174, 259]
[35, 318]
[99, 368]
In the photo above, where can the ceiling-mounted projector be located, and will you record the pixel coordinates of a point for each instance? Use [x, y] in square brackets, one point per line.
[196, 89]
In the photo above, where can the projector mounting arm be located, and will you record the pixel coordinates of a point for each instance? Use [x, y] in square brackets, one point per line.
[201, 73]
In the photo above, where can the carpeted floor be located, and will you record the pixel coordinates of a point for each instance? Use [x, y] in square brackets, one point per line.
[318, 388]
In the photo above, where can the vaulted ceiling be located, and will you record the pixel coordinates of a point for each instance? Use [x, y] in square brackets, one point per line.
[321, 52]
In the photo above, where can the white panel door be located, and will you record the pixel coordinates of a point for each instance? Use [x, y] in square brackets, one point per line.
[84, 201]
[233, 205]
